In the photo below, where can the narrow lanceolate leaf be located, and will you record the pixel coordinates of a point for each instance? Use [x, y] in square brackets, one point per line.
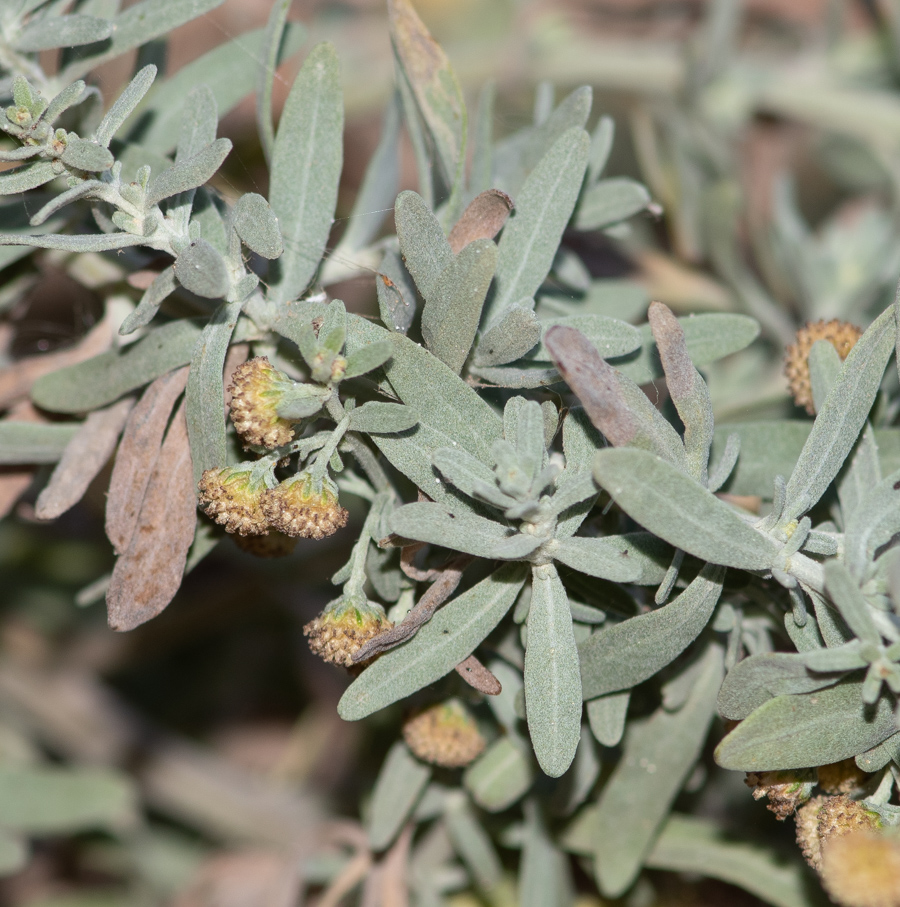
[847, 596]
[146, 578]
[686, 387]
[543, 208]
[206, 391]
[513, 333]
[453, 307]
[124, 105]
[841, 419]
[50, 32]
[698, 846]
[876, 518]
[82, 242]
[552, 678]
[189, 172]
[483, 219]
[265, 74]
[501, 775]
[659, 753]
[606, 716]
[98, 381]
[423, 245]
[614, 403]
[306, 169]
[28, 176]
[33, 442]
[679, 510]
[628, 653]
[607, 557]
[397, 790]
[471, 841]
[610, 201]
[450, 637]
[544, 875]
[164, 284]
[257, 225]
[382, 418]
[807, 729]
[85, 456]
[434, 84]
[137, 455]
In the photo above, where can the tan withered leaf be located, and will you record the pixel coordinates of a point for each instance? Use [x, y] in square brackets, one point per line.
[483, 219]
[137, 453]
[86, 454]
[147, 576]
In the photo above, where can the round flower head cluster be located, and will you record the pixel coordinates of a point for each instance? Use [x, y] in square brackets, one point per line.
[444, 734]
[344, 627]
[785, 790]
[304, 507]
[841, 335]
[257, 388]
[232, 497]
[862, 869]
[824, 818]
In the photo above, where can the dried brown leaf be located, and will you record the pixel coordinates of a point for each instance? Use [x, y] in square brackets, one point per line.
[264, 877]
[137, 453]
[482, 219]
[148, 575]
[17, 379]
[86, 454]
[477, 676]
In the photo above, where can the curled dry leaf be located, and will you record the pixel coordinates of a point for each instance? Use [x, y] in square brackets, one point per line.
[148, 575]
[483, 219]
[477, 676]
[137, 453]
[86, 454]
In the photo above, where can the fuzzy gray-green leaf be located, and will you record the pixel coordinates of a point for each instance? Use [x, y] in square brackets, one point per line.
[164, 284]
[306, 169]
[552, 678]
[124, 105]
[512, 335]
[610, 336]
[98, 381]
[440, 645]
[501, 775]
[807, 729]
[604, 557]
[399, 786]
[188, 173]
[606, 716]
[610, 201]
[382, 418]
[679, 510]
[202, 270]
[426, 251]
[51, 32]
[33, 442]
[28, 176]
[257, 225]
[89, 156]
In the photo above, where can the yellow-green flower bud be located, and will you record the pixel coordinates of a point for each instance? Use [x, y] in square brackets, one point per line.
[229, 496]
[841, 335]
[444, 734]
[824, 818]
[257, 388]
[303, 507]
[344, 627]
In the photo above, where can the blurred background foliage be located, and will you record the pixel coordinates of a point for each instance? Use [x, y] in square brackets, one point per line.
[769, 137]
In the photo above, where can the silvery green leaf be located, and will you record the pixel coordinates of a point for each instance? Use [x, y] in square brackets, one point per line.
[136, 25]
[523, 376]
[257, 225]
[693, 845]
[470, 476]
[659, 753]
[601, 146]
[70, 96]
[229, 70]
[861, 472]
[846, 595]
[552, 679]
[607, 557]
[86, 189]
[202, 270]
[471, 842]
[679, 510]
[842, 658]
[807, 729]
[450, 637]
[382, 418]
[578, 489]
[379, 185]
[400, 784]
[687, 388]
[124, 105]
[81, 154]
[104, 378]
[301, 401]
[824, 368]
[543, 208]
[872, 524]
[512, 335]
[768, 449]
[462, 532]
[878, 757]
[615, 298]
[305, 171]
[708, 337]
[626, 654]
[580, 440]
[724, 466]
[415, 127]
[29, 176]
[43, 800]
[188, 173]
[501, 775]
[606, 716]
[842, 416]
[610, 201]
[453, 306]
[33, 442]
[544, 875]
[523, 427]
[610, 336]
[396, 293]
[51, 32]
[831, 625]
[614, 403]
[426, 251]
[482, 140]
[575, 785]
[205, 392]
[434, 85]
[570, 270]
[266, 73]
[759, 678]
